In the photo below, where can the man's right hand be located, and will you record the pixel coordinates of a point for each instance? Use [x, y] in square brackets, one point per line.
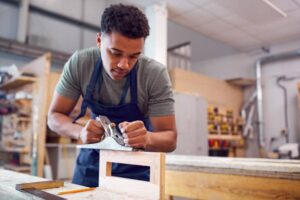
[92, 132]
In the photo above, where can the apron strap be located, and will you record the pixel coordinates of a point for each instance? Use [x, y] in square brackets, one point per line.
[82, 110]
[90, 89]
[125, 90]
[133, 85]
[95, 75]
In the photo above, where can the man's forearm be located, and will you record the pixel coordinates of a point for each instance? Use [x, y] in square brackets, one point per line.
[163, 141]
[63, 125]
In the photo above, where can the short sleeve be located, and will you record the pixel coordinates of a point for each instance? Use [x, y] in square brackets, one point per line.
[161, 98]
[69, 82]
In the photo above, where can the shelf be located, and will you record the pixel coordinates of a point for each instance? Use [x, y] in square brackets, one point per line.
[15, 150]
[17, 82]
[225, 137]
[24, 119]
[243, 82]
[218, 148]
[17, 168]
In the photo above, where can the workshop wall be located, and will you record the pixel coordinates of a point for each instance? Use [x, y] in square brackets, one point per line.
[7, 59]
[274, 101]
[239, 64]
[203, 48]
[53, 34]
[243, 65]
[48, 32]
[8, 21]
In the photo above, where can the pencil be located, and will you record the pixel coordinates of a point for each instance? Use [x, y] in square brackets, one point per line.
[75, 191]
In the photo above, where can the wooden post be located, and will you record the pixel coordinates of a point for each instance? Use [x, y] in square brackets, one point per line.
[41, 69]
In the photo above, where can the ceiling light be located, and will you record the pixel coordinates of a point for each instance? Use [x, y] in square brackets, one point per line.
[275, 8]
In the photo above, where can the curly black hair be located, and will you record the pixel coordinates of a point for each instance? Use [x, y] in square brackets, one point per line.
[126, 20]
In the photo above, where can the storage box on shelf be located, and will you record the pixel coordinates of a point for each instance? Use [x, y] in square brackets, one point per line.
[225, 132]
[24, 130]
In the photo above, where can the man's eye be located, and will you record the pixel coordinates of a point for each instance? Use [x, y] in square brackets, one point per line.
[134, 56]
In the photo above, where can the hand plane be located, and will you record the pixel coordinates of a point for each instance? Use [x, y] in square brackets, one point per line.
[112, 138]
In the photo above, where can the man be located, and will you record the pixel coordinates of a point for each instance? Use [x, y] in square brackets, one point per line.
[116, 81]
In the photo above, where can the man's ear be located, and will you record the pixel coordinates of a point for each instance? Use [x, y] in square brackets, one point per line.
[98, 39]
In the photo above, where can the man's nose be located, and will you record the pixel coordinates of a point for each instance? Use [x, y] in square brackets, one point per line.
[123, 63]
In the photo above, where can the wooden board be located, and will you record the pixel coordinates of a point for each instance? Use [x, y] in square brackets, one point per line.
[242, 82]
[17, 82]
[154, 189]
[40, 185]
[197, 185]
[217, 92]
[287, 169]
[9, 179]
[17, 168]
[199, 177]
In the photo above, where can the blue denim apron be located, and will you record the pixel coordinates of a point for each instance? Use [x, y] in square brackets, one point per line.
[87, 165]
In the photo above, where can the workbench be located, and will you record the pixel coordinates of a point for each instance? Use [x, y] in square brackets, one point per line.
[9, 179]
[196, 177]
[200, 177]
[111, 187]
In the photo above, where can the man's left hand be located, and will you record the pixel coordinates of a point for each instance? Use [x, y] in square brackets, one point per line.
[135, 134]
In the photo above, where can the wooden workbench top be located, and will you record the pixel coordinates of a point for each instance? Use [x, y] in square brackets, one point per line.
[282, 169]
[9, 179]
[288, 169]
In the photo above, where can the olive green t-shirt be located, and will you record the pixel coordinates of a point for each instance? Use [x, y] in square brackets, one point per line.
[154, 91]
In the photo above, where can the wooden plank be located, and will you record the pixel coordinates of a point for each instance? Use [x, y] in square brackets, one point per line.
[17, 82]
[9, 179]
[162, 175]
[242, 82]
[199, 185]
[285, 169]
[24, 119]
[16, 150]
[153, 189]
[40, 185]
[41, 68]
[17, 168]
[217, 92]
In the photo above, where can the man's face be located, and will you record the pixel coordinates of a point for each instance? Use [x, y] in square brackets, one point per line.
[119, 53]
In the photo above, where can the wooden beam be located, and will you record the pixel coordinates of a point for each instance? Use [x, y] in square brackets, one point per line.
[40, 185]
[199, 185]
[40, 67]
